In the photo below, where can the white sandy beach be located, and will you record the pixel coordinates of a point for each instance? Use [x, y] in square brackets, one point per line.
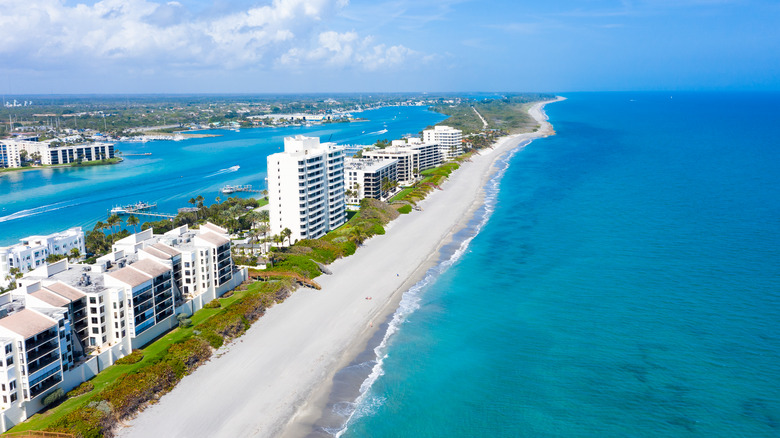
[274, 380]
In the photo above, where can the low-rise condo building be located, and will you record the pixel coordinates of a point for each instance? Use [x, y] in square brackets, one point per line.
[32, 251]
[64, 323]
[306, 188]
[413, 156]
[369, 178]
[450, 140]
[52, 153]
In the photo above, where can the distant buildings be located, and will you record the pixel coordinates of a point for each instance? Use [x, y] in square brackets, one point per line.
[32, 251]
[64, 323]
[306, 188]
[369, 178]
[50, 153]
[449, 140]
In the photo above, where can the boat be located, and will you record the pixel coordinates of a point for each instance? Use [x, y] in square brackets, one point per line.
[234, 168]
[228, 189]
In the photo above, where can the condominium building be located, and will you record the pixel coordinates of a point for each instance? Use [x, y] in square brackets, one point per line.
[64, 323]
[449, 140]
[32, 251]
[199, 259]
[368, 178]
[413, 156]
[306, 188]
[10, 152]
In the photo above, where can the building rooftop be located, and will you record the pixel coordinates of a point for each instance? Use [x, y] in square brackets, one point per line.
[157, 253]
[166, 249]
[213, 239]
[211, 227]
[27, 323]
[50, 297]
[367, 164]
[130, 276]
[150, 267]
[66, 291]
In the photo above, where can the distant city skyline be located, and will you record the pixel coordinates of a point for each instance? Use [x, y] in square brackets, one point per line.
[300, 46]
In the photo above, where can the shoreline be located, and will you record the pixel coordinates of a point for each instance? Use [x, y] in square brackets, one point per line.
[278, 383]
[307, 419]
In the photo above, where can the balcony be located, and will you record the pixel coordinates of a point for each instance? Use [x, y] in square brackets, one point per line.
[36, 365]
[40, 350]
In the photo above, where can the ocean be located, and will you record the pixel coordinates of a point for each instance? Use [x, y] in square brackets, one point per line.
[50, 200]
[622, 280]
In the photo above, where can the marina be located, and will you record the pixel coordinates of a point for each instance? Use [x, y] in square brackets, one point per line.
[141, 209]
[228, 189]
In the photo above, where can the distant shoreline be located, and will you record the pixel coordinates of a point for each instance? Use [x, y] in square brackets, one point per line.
[115, 160]
[291, 354]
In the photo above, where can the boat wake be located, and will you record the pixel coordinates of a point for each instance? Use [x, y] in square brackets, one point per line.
[37, 210]
[224, 171]
[384, 131]
[367, 402]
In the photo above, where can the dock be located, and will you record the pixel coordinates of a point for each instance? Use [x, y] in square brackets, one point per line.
[140, 209]
[233, 189]
[146, 154]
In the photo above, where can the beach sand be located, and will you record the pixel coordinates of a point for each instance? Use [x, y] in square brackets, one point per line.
[275, 380]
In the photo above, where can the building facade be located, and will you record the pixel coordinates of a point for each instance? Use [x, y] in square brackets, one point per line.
[32, 251]
[450, 140]
[10, 150]
[306, 188]
[367, 178]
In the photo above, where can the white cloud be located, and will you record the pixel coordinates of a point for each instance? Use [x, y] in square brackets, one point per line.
[340, 49]
[164, 34]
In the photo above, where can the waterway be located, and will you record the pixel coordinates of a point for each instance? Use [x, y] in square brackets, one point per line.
[50, 200]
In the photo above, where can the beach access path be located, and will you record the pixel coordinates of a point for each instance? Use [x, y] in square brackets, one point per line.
[274, 380]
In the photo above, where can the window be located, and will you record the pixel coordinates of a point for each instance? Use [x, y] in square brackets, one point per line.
[93, 320]
[95, 330]
[13, 397]
[92, 300]
[12, 385]
[9, 361]
[8, 349]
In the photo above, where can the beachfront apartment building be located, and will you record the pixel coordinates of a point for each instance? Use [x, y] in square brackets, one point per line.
[35, 346]
[306, 188]
[10, 152]
[367, 177]
[450, 140]
[413, 156]
[31, 252]
[101, 312]
[200, 259]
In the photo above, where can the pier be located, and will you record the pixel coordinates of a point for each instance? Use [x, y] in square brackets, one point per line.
[232, 189]
[146, 154]
[140, 209]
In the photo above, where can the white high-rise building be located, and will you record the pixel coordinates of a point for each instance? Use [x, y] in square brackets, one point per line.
[306, 188]
[366, 177]
[450, 140]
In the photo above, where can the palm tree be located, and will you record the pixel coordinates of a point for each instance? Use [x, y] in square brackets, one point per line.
[75, 254]
[113, 221]
[265, 216]
[133, 221]
[253, 238]
[264, 193]
[218, 199]
[192, 201]
[199, 198]
[263, 229]
[286, 234]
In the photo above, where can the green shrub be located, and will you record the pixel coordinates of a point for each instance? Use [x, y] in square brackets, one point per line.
[406, 209]
[214, 304]
[83, 388]
[213, 339]
[92, 421]
[131, 358]
[53, 397]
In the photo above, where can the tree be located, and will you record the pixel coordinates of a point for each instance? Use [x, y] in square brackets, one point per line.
[357, 235]
[192, 201]
[112, 221]
[133, 221]
[286, 234]
[218, 199]
[264, 193]
[264, 229]
[199, 198]
[22, 155]
[75, 254]
[54, 258]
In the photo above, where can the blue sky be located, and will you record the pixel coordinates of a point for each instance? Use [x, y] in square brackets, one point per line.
[151, 46]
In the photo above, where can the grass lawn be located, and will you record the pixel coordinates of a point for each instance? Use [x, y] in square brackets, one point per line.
[152, 352]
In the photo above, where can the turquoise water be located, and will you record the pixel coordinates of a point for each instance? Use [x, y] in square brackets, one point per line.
[626, 284]
[50, 200]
